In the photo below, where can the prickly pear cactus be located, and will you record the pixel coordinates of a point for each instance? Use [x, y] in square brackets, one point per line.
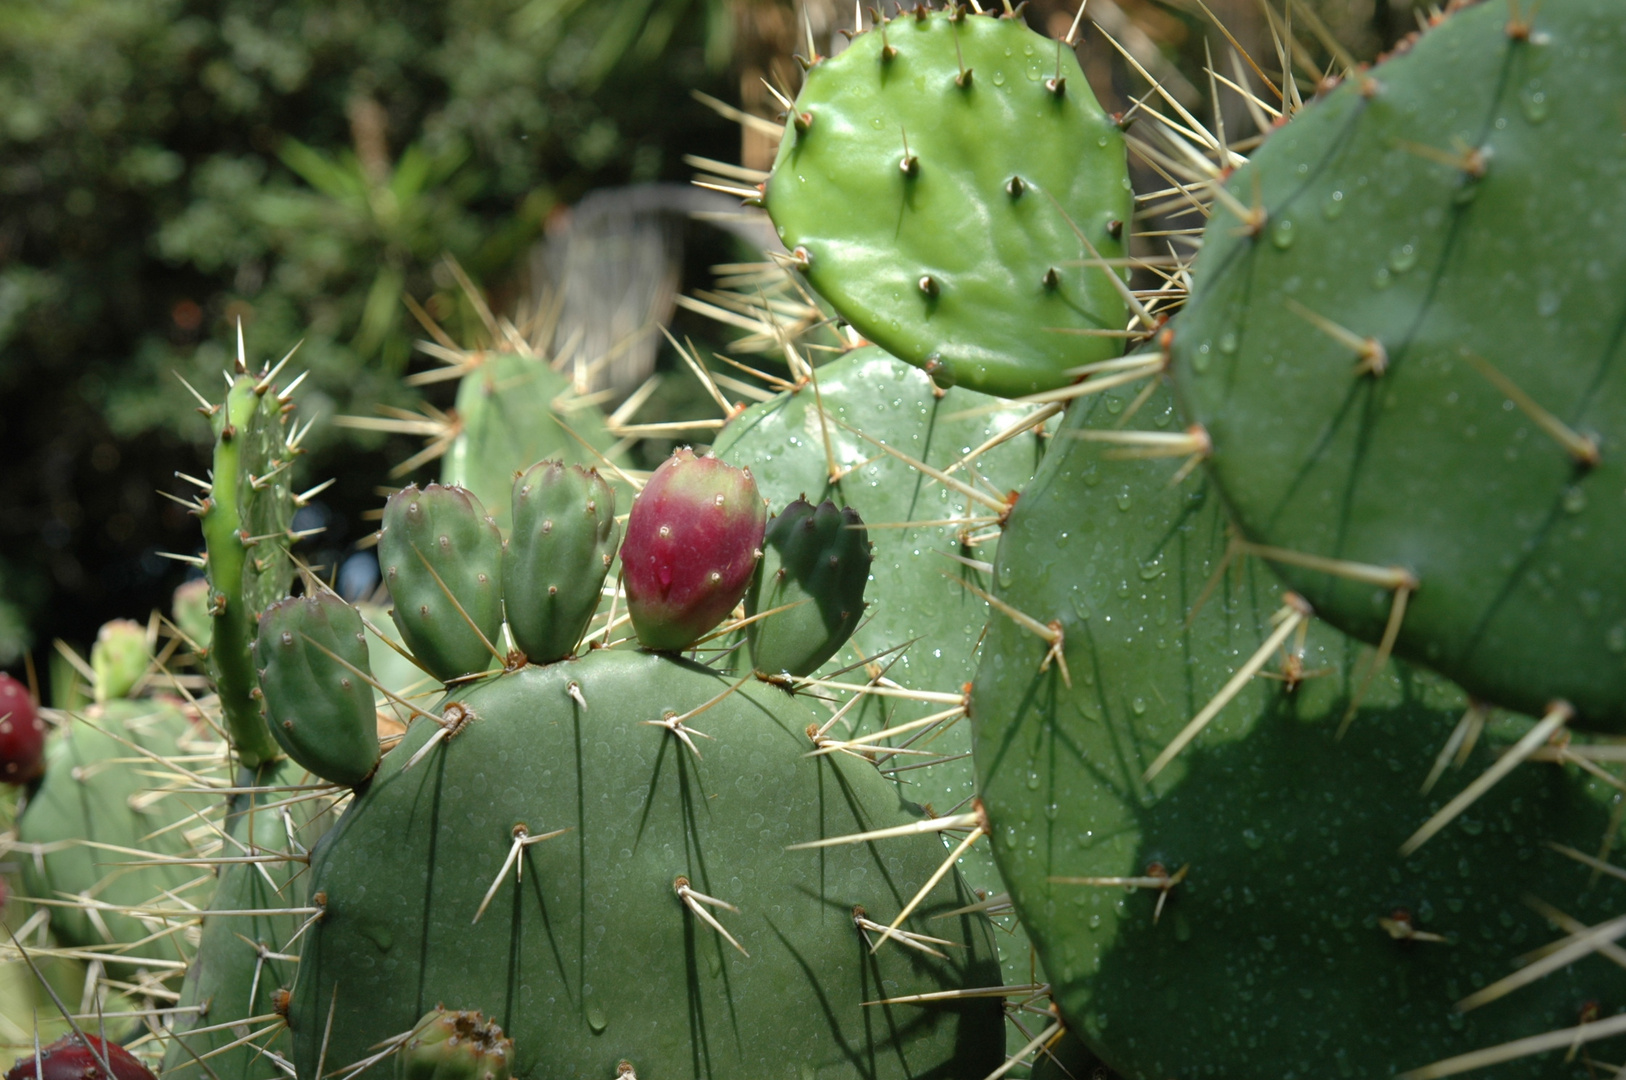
[1275, 927]
[562, 543]
[119, 658]
[511, 412]
[448, 1045]
[441, 556]
[1409, 355]
[816, 561]
[943, 182]
[311, 656]
[100, 804]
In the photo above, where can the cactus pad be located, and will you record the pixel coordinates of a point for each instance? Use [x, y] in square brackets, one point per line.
[559, 551]
[312, 658]
[815, 563]
[441, 557]
[1294, 939]
[694, 539]
[586, 953]
[1412, 356]
[958, 250]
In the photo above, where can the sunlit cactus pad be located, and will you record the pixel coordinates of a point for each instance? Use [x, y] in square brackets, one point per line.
[1408, 351]
[1295, 939]
[593, 956]
[960, 248]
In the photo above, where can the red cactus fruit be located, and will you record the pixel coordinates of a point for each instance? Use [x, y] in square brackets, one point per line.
[693, 541]
[22, 733]
[71, 1059]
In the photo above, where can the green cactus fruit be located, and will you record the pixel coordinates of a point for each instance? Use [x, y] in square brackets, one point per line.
[316, 683]
[442, 560]
[1278, 931]
[190, 610]
[1408, 356]
[542, 864]
[242, 967]
[942, 183]
[559, 551]
[98, 790]
[119, 658]
[513, 411]
[22, 733]
[815, 562]
[246, 518]
[448, 1045]
[694, 538]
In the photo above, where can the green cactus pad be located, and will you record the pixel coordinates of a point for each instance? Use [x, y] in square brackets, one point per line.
[591, 957]
[441, 557]
[512, 412]
[119, 658]
[1281, 951]
[960, 251]
[1451, 206]
[559, 551]
[311, 653]
[230, 976]
[92, 794]
[815, 562]
[909, 596]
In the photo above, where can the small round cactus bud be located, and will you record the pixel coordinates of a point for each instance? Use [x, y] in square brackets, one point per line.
[119, 658]
[448, 1045]
[70, 1058]
[22, 734]
[311, 654]
[558, 554]
[815, 565]
[190, 609]
[442, 558]
[693, 541]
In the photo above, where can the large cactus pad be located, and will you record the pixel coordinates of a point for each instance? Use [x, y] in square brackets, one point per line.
[1411, 355]
[933, 175]
[587, 954]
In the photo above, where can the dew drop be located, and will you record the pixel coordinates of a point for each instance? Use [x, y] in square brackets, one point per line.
[1574, 499]
[1334, 206]
[596, 1020]
[1252, 838]
[1534, 103]
[1227, 343]
[1005, 576]
[1403, 258]
[1382, 279]
[1199, 360]
[1616, 639]
[1124, 499]
[999, 78]
[1281, 234]
[1139, 705]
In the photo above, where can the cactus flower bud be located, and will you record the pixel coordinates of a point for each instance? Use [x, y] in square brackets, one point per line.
[693, 540]
[22, 733]
[815, 565]
[448, 1045]
[69, 1058]
[119, 658]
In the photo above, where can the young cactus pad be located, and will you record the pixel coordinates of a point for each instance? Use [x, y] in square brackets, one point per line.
[1409, 355]
[1277, 929]
[934, 182]
[694, 539]
[311, 653]
[559, 551]
[533, 866]
[441, 557]
[815, 563]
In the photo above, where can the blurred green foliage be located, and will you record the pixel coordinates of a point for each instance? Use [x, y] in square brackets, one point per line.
[170, 166]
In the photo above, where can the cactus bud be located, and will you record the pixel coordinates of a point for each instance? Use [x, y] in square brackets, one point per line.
[312, 657]
[449, 1045]
[553, 571]
[22, 733]
[693, 541]
[119, 658]
[73, 1058]
[190, 609]
[441, 557]
[817, 560]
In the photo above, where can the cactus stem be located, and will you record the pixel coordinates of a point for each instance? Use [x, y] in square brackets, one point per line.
[1372, 357]
[1293, 612]
[694, 901]
[866, 925]
[522, 840]
[942, 824]
[1558, 714]
[1025, 990]
[1583, 448]
[981, 830]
